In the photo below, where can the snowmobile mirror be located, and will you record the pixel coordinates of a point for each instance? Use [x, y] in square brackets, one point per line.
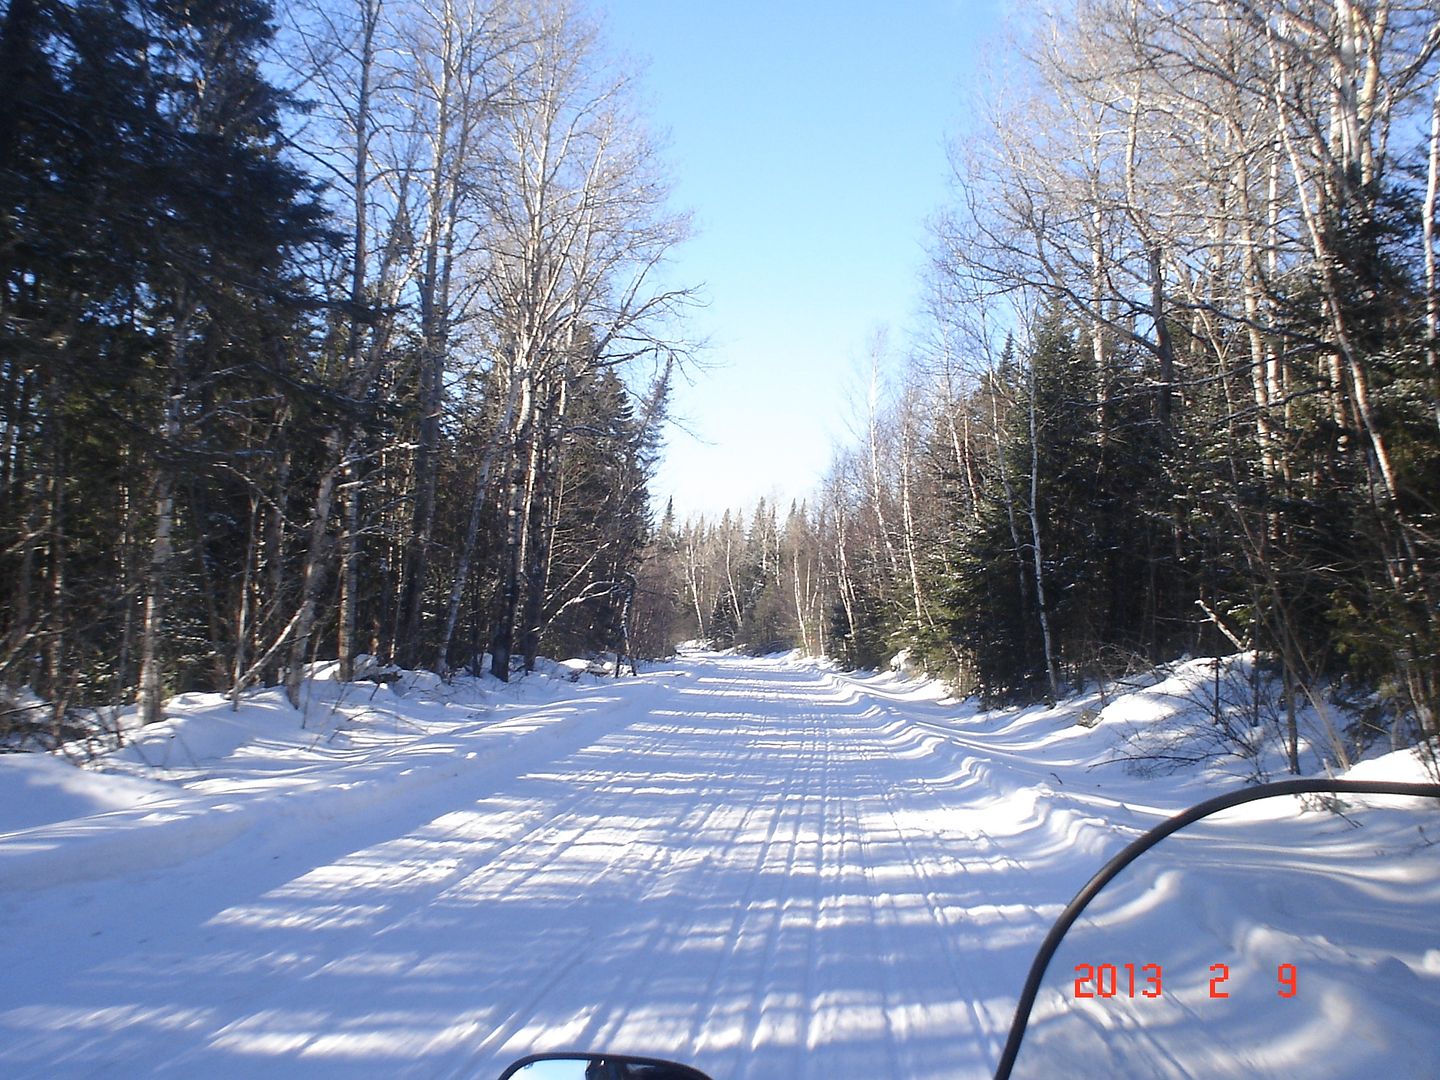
[598, 1067]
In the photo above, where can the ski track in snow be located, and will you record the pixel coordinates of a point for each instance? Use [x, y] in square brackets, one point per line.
[763, 867]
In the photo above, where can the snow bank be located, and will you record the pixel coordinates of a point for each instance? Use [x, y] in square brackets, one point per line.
[40, 789]
[211, 773]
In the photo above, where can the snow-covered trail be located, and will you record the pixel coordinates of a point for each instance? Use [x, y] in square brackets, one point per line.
[745, 863]
[763, 867]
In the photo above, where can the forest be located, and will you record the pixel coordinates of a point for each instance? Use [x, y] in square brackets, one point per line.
[343, 330]
[1177, 391]
[336, 331]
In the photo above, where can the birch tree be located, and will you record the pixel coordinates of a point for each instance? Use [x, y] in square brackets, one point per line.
[577, 230]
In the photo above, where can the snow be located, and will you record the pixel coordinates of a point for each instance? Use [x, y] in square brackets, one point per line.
[765, 867]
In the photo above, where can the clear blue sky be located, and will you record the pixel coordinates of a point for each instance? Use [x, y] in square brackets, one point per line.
[808, 139]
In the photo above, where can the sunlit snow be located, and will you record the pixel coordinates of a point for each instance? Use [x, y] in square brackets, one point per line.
[764, 867]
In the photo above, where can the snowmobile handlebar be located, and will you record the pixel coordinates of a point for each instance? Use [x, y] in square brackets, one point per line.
[1147, 840]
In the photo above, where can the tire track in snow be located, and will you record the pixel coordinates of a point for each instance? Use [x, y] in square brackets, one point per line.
[983, 1035]
[558, 953]
[670, 874]
[777, 1013]
[668, 887]
[879, 910]
[527, 860]
[261, 1006]
[851, 739]
[744, 969]
[944, 933]
[845, 745]
[885, 724]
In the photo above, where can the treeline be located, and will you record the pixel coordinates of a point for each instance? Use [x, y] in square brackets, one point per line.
[368, 358]
[750, 580]
[1180, 390]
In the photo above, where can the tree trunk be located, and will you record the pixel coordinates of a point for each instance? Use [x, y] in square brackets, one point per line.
[538, 579]
[692, 584]
[907, 519]
[502, 640]
[152, 691]
[349, 571]
[1037, 551]
[360, 253]
[243, 613]
[1432, 285]
[312, 581]
[1164, 349]
[417, 549]
[152, 679]
[57, 677]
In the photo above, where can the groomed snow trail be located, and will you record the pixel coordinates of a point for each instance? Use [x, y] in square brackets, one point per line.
[763, 867]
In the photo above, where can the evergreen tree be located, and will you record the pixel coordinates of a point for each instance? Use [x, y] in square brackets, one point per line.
[150, 276]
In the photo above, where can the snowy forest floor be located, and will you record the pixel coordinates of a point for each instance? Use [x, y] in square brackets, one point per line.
[764, 867]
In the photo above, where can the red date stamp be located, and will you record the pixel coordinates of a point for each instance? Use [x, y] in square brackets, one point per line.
[1148, 981]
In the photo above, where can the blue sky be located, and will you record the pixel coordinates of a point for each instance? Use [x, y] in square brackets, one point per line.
[808, 139]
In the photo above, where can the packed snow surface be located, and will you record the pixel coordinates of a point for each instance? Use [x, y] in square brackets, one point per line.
[767, 868]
